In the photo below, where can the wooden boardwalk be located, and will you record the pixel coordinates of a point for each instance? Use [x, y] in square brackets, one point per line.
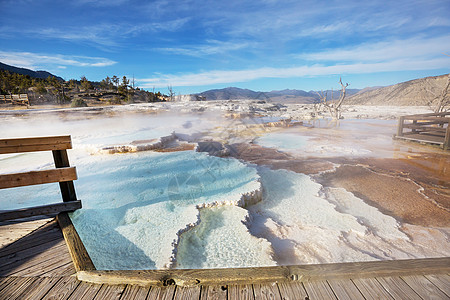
[431, 129]
[35, 264]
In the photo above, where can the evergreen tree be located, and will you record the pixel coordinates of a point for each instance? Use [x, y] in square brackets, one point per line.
[86, 84]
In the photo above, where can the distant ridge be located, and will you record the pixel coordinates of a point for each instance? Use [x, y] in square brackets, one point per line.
[283, 96]
[31, 73]
[229, 93]
[417, 92]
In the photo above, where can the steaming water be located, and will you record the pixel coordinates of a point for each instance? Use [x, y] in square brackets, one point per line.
[283, 141]
[184, 209]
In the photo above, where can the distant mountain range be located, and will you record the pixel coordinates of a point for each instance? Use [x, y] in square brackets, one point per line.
[31, 73]
[414, 92]
[283, 96]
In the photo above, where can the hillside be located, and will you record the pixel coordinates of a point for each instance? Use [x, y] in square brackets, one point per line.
[31, 73]
[413, 92]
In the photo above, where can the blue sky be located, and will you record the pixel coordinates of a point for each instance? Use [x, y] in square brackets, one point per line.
[196, 45]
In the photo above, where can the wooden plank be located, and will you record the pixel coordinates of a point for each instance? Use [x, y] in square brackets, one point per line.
[30, 289]
[319, 290]
[423, 124]
[31, 252]
[12, 231]
[43, 268]
[241, 292]
[85, 291]
[427, 118]
[37, 177]
[110, 292]
[19, 145]
[37, 268]
[266, 291]
[292, 290]
[423, 287]
[441, 281]
[401, 122]
[41, 288]
[440, 114]
[345, 289]
[189, 277]
[67, 270]
[158, 293]
[214, 292]
[397, 288]
[187, 293]
[62, 289]
[41, 210]
[61, 160]
[421, 138]
[45, 234]
[21, 289]
[135, 292]
[61, 271]
[446, 144]
[425, 128]
[13, 286]
[4, 281]
[78, 252]
[15, 265]
[370, 288]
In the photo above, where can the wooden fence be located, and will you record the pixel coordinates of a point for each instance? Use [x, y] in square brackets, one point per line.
[430, 128]
[20, 99]
[63, 173]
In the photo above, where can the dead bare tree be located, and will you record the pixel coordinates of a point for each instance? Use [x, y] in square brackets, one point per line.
[334, 107]
[441, 102]
[171, 93]
[317, 105]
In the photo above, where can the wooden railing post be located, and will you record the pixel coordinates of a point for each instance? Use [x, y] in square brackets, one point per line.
[414, 130]
[67, 188]
[400, 126]
[446, 144]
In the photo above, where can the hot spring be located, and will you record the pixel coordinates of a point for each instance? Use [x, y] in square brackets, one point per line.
[151, 201]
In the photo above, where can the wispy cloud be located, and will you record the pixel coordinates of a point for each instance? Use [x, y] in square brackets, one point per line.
[37, 60]
[222, 77]
[211, 47]
[100, 2]
[412, 48]
[104, 35]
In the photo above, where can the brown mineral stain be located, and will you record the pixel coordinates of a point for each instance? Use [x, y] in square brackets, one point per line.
[180, 147]
[394, 195]
[275, 159]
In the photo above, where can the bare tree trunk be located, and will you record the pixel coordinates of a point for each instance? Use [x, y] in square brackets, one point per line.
[171, 93]
[335, 107]
[443, 99]
[318, 105]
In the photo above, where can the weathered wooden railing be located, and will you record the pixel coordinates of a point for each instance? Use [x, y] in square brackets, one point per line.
[63, 173]
[430, 128]
[21, 99]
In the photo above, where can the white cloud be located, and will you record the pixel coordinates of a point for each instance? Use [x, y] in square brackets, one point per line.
[387, 50]
[221, 76]
[211, 47]
[36, 60]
